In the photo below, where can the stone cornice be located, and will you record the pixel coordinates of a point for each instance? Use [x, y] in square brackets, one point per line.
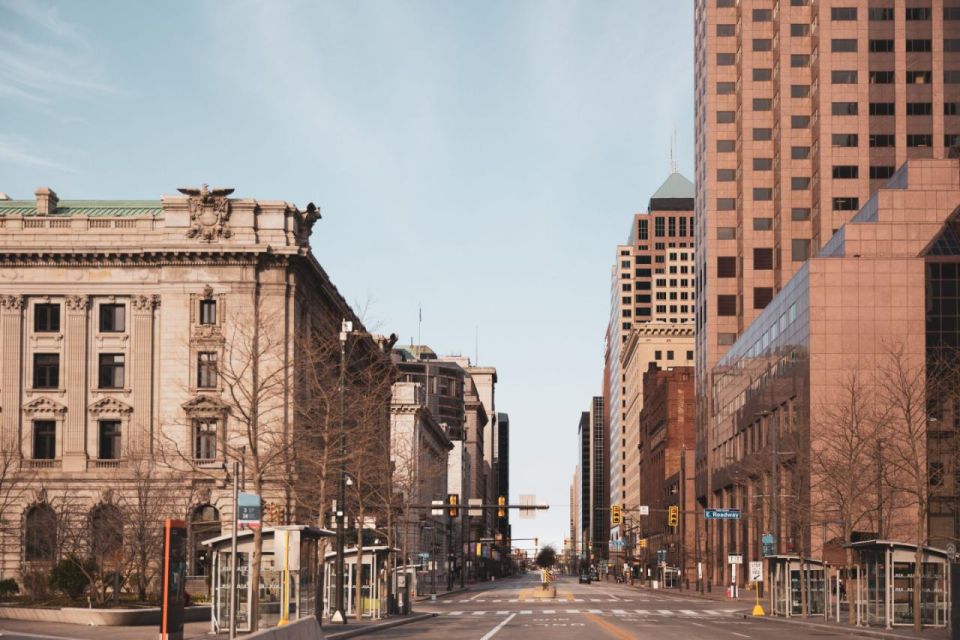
[140, 257]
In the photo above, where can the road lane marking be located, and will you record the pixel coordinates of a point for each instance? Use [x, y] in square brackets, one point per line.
[739, 634]
[665, 612]
[595, 611]
[502, 613]
[619, 612]
[497, 628]
[573, 610]
[610, 628]
[548, 611]
[689, 612]
[526, 612]
[455, 613]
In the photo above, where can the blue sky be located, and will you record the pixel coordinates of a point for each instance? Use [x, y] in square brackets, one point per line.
[479, 159]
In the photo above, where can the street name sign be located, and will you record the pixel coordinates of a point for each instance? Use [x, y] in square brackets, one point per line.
[721, 514]
[735, 559]
[644, 510]
[248, 510]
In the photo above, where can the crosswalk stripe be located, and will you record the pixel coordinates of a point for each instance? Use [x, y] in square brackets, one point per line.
[455, 613]
[502, 613]
[573, 610]
[619, 612]
[479, 613]
[549, 611]
[526, 612]
[665, 612]
[689, 612]
[714, 612]
[595, 611]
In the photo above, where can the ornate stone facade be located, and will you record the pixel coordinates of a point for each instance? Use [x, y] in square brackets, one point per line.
[114, 319]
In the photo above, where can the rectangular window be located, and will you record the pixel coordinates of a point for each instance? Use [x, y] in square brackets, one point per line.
[799, 30]
[762, 104]
[882, 109]
[800, 122]
[951, 140]
[207, 370]
[46, 370]
[762, 44]
[726, 305]
[683, 226]
[799, 90]
[112, 318]
[726, 88]
[845, 171]
[950, 76]
[919, 140]
[642, 230]
[918, 13]
[762, 259]
[689, 355]
[881, 46]
[881, 77]
[846, 204]
[726, 266]
[726, 59]
[951, 13]
[880, 14]
[800, 250]
[843, 13]
[726, 146]
[761, 133]
[845, 139]
[951, 45]
[951, 108]
[208, 312]
[881, 172]
[726, 175]
[919, 46]
[670, 353]
[726, 338]
[762, 164]
[762, 15]
[800, 213]
[762, 194]
[46, 318]
[659, 227]
[658, 355]
[799, 183]
[920, 77]
[671, 226]
[799, 153]
[726, 117]
[762, 297]
[109, 440]
[44, 440]
[799, 60]
[111, 371]
[762, 224]
[726, 204]
[725, 4]
[919, 108]
[844, 76]
[726, 233]
[843, 45]
[882, 140]
[762, 75]
[726, 30]
[205, 439]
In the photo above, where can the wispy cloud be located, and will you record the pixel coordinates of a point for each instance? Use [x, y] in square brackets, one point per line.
[13, 151]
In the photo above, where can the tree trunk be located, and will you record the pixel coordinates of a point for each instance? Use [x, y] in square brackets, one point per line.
[917, 573]
[358, 571]
[851, 613]
[255, 579]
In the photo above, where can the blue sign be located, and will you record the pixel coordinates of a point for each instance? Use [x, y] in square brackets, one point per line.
[767, 541]
[721, 514]
[248, 512]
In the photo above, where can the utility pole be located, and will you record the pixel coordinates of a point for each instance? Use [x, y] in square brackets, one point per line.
[233, 552]
[683, 514]
[775, 480]
[339, 615]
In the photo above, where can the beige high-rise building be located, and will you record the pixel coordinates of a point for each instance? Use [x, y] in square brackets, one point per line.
[803, 110]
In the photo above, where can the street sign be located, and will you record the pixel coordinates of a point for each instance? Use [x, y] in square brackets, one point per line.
[475, 502]
[248, 510]
[734, 559]
[439, 510]
[527, 499]
[767, 541]
[756, 571]
[644, 510]
[721, 514]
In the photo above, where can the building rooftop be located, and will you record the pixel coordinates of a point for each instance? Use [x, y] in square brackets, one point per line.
[673, 194]
[93, 208]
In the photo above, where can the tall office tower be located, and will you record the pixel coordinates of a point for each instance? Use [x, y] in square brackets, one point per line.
[599, 480]
[803, 110]
[650, 282]
[583, 520]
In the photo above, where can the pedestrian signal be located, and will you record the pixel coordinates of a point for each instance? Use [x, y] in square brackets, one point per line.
[673, 516]
[502, 507]
[616, 515]
[453, 502]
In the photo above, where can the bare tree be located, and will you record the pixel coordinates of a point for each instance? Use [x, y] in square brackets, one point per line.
[15, 481]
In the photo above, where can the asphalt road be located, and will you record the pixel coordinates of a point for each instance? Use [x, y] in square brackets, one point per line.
[505, 611]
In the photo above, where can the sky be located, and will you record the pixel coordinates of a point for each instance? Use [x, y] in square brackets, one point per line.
[478, 160]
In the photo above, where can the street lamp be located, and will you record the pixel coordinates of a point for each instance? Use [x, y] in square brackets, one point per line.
[339, 615]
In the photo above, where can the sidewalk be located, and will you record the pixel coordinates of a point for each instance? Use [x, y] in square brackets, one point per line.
[354, 629]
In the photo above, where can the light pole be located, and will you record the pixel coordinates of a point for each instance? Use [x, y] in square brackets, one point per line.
[339, 615]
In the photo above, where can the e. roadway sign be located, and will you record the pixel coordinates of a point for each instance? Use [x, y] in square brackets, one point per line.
[721, 514]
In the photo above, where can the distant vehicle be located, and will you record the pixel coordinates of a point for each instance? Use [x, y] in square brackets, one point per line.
[593, 574]
[584, 577]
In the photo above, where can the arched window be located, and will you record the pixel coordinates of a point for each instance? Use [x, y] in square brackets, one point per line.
[106, 532]
[204, 524]
[40, 533]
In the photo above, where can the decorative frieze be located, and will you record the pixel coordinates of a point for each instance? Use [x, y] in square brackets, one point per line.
[145, 303]
[11, 303]
[77, 303]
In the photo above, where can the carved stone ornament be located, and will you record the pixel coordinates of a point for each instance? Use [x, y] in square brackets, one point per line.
[208, 292]
[110, 406]
[40, 496]
[203, 495]
[145, 303]
[204, 406]
[208, 333]
[11, 303]
[106, 496]
[78, 303]
[44, 405]
[209, 212]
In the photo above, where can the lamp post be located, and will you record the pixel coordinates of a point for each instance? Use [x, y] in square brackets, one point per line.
[339, 615]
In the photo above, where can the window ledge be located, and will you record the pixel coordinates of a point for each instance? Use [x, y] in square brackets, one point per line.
[43, 463]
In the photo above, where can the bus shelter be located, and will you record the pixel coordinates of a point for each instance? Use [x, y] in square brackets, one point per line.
[373, 562]
[789, 575]
[883, 595]
[289, 576]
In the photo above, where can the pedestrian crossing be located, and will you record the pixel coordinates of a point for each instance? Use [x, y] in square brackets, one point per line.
[620, 613]
[670, 599]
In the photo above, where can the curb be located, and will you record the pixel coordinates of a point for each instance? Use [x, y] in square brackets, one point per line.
[857, 631]
[373, 628]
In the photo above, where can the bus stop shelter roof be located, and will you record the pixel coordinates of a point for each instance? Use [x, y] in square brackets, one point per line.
[306, 531]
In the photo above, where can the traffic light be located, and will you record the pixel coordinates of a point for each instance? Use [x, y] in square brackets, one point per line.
[673, 515]
[453, 502]
[502, 507]
[616, 515]
[642, 543]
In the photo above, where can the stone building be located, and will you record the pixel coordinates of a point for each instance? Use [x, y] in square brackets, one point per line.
[127, 330]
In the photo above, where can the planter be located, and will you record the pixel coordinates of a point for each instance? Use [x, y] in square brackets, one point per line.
[99, 617]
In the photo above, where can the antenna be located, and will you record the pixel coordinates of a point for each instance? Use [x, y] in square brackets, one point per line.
[673, 145]
[476, 345]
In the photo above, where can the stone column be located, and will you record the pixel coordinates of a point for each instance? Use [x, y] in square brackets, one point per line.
[141, 374]
[75, 380]
[11, 354]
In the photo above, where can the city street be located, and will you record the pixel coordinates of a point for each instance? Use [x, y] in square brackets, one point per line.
[506, 611]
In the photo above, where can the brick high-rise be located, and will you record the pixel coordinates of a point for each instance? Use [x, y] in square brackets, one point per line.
[803, 110]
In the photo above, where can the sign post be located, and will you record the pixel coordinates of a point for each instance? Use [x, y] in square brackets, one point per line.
[734, 560]
[756, 577]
